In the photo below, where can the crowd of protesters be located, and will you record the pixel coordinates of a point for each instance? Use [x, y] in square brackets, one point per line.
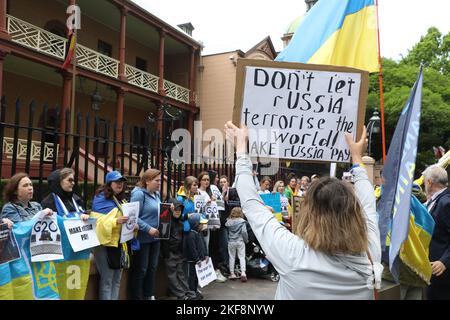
[337, 230]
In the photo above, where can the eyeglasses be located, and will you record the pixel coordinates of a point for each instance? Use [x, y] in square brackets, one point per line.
[71, 180]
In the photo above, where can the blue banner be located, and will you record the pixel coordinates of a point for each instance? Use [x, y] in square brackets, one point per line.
[398, 172]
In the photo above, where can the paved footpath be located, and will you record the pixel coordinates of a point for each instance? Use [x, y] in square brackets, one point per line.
[253, 289]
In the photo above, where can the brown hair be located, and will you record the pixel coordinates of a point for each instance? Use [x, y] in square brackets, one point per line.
[331, 219]
[188, 182]
[265, 178]
[10, 191]
[223, 177]
[201, 175]
[109, 193]
[236, 212]
[149, 175]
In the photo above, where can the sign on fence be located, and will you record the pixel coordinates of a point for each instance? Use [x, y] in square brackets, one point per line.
[299, 111]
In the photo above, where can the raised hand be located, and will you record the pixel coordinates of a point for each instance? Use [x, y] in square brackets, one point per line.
[358, 148]
[241, 135]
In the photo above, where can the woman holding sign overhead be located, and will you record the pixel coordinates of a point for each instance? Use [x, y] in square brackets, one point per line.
[145, 260]
[107, 202]
[336, 252]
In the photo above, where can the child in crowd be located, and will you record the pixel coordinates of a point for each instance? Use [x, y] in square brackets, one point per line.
[172, 252]
[237, 238]
[194, 249]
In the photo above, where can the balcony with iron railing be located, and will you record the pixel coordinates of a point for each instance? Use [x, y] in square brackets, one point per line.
[45, 42]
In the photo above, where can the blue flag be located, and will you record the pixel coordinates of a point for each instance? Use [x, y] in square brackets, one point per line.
[398, 172]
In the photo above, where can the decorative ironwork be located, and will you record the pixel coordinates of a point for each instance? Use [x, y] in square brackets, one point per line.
[49, 152]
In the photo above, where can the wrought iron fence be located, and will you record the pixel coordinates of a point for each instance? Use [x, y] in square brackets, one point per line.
[33, 142]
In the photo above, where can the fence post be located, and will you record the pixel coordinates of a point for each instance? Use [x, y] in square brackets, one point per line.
[2, 130]
[15, 138]
[29, 136]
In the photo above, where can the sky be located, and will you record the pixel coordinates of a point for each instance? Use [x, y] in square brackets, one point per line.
[240, 24]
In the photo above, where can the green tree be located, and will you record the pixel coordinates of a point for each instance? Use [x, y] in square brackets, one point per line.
[432, 51]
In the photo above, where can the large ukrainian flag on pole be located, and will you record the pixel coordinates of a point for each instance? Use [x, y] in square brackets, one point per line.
[336, 32]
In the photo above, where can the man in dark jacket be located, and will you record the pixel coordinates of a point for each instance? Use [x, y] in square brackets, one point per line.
[438, 204]
[194, 249]
[172, 252]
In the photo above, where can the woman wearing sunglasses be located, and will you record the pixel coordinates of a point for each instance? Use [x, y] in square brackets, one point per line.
[62, 199]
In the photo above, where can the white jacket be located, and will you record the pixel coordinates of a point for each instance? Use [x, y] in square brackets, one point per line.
[306, 273]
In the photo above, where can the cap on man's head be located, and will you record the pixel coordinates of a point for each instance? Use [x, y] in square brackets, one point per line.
[114, 176]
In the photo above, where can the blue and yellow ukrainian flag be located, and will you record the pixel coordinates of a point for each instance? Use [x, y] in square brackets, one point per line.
[414, 250]
[61, 279]
[336, 32]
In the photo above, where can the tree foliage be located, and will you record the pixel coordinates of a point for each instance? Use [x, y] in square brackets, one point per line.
[433, 52]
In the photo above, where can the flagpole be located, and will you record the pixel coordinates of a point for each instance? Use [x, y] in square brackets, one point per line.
[380, 78]
[72, 107]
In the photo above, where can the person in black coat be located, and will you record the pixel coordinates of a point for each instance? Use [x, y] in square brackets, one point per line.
[62, 199]
[438, 204]
[172, 252]
[194, 249]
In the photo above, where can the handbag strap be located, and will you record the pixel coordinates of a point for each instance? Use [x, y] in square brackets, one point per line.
[375, 290]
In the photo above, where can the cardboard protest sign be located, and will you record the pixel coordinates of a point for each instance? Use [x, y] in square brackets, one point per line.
[299, 111]
[81, 234]
[9, 250]
[298, 203]
[218, 195]
[165, 218]
[205, 273]
[45, 240]
[130, 210]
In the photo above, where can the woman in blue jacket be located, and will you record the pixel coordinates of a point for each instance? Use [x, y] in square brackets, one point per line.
[145, 260]
[109, 197]
[186, 197]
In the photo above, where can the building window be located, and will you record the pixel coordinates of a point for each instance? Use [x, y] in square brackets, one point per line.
[56, 27]
[104, 48]
[141, 64]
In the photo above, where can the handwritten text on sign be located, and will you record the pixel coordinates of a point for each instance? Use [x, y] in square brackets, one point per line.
[205, 273]
[300, 114]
